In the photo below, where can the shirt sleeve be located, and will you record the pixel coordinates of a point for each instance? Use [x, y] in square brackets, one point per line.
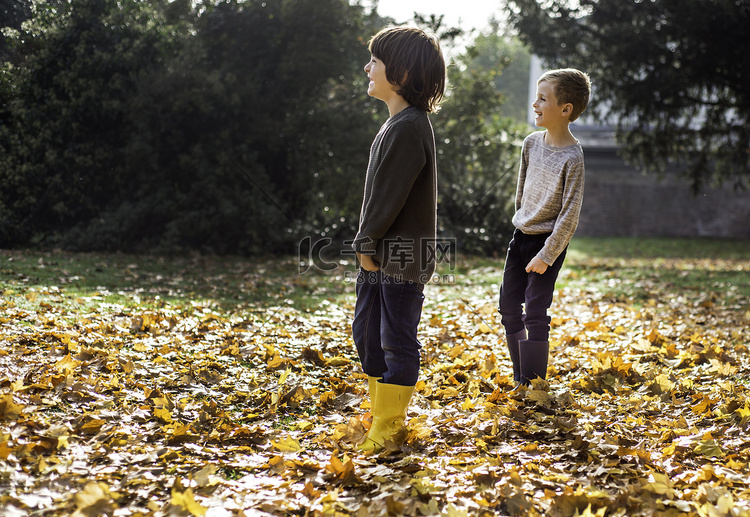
[567, 221]
[403, 159]
[523, 167]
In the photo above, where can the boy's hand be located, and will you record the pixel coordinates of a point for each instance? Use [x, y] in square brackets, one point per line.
[367, 262]
[537, 265]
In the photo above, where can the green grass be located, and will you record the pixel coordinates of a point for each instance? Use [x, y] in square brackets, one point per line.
[659, 248]
[232, 474]
[622, 268]
[151, 281]
[711, 270]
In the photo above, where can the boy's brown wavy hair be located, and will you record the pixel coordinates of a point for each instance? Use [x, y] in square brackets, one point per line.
[413, 62]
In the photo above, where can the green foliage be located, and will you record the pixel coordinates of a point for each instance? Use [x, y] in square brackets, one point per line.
[477, 145]
[672, 75]
[150, 125]
[232, 127]
[506, 57]
[62, 136]
[478, 151]
[238, 129]
[12, 14]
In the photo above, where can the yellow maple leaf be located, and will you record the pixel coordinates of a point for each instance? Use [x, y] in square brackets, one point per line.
[588, 512]
[662, 384]
[163, 414]
[186, 500]
[67, 365]
[669, 450]
[621, 366]
[310, 492]
[5, 450]
[9, 410]
[655, 338]
[709, 448]
[127, 366]
[485, 329]
[703, 407]
[62, 442]
[342, 470]
[94, 499]
[288, 444]
[743, 412]
[541, 397]
[91, 426]
[276, 361]
[658, 484]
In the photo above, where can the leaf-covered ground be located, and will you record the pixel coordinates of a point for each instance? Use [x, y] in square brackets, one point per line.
[205, 386]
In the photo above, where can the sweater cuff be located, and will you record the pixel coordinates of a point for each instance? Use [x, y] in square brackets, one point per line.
[364, 245]
[547, 257]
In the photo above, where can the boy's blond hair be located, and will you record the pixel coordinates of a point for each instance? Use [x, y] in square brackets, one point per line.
[571, 86]
[413, 62]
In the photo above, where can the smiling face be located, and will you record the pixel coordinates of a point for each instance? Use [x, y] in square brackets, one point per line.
[379, 87]
[549, 114]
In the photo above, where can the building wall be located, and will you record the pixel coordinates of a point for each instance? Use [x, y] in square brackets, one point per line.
[620, 201]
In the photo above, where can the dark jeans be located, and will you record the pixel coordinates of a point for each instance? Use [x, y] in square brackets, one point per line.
[533, 290]
[386, 317]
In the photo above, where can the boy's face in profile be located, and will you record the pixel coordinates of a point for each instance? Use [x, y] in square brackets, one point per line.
[379, 86]
[549, 114]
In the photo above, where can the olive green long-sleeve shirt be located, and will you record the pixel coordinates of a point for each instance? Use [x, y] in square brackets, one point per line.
[398, 220]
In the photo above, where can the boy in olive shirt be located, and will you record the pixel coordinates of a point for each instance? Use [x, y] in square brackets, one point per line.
[397, 223]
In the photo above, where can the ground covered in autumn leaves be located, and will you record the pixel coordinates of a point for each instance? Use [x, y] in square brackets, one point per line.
[206, 386]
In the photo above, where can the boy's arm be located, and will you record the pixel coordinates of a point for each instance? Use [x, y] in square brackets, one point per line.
[402, 161]
[536, 265]
[522, 168]
[567, 220]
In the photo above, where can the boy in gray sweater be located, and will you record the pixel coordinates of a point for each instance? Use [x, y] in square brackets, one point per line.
[397, 224]
[548, 202]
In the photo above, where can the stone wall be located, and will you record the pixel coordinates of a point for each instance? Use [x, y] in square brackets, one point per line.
[620, 201]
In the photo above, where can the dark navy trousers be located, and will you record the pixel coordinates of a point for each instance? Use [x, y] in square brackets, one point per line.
[386, 317]
[530, 291]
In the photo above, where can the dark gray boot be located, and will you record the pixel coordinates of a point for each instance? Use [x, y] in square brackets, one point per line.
[534, 356]
[513, 350]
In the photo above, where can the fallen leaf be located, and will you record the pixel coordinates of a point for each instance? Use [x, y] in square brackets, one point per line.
[94, 500]
[9, 410]
[288, 444]
[186, 501]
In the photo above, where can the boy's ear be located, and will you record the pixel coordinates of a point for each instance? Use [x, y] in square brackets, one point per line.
[568, 109]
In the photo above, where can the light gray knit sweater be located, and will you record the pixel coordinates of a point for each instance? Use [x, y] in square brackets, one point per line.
[549, 195]
[398, 220]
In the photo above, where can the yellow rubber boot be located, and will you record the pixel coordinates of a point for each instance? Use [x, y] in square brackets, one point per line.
[372, 385]
[388, 415]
